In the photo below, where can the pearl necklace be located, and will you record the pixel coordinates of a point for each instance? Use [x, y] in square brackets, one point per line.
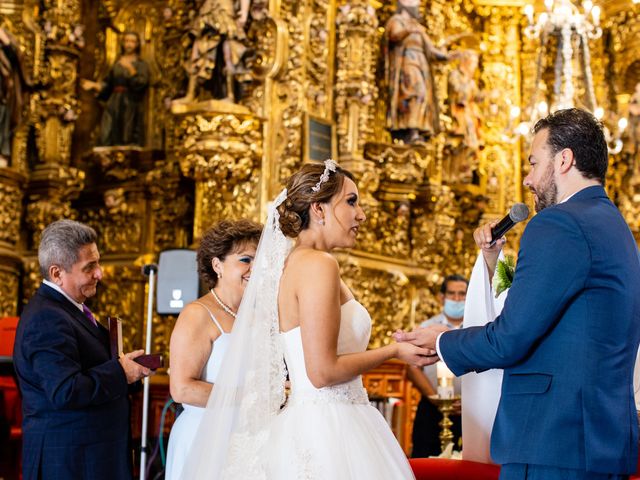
[224, 306]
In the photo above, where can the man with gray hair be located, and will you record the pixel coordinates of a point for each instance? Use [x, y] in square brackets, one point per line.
[74, 395]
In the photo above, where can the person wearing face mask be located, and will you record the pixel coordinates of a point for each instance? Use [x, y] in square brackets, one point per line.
[426, 431]
[201, 335]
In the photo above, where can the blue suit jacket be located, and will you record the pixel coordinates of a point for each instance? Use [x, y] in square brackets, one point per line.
[74, 396]
[566, 339]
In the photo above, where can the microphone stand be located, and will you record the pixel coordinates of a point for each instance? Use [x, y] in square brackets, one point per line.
[150, 271]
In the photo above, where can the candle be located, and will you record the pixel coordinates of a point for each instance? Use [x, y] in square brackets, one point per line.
[445, 381]
[528, 11]
[623, 123]
[595, 13]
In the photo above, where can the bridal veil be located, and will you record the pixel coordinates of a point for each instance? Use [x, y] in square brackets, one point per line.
[249, 390]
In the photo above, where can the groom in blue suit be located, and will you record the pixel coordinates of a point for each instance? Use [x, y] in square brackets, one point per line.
[569, 331]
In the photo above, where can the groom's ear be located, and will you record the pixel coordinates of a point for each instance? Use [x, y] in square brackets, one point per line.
[567, 160]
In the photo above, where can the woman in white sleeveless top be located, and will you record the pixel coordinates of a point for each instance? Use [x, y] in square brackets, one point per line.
[201, 334]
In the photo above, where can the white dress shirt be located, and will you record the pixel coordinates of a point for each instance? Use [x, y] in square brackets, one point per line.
[57, 288]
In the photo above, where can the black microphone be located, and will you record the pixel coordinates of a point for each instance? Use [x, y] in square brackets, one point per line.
[518, 212]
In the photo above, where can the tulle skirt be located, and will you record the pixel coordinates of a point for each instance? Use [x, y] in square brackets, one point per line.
[333, 441]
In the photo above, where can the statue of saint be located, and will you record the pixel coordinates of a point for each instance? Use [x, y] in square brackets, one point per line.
[14, 82]
[218, 49]
[124, 90]
[413, 113]
[463, 96]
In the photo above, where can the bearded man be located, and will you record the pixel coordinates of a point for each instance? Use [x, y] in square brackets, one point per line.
[568, 334]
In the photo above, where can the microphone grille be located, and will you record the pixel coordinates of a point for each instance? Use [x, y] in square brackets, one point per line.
[519, 212]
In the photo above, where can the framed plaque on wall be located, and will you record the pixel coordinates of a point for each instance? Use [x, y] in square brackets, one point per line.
[319, 139]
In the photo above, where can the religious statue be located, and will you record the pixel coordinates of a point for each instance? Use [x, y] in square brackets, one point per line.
[463, 95]
[14, 82]
[413, 113]
[124, 90]
[218, 50]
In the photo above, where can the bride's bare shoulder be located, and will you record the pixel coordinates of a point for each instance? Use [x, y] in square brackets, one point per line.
[309, 261]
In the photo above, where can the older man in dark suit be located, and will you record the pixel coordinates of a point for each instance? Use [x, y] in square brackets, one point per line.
[569, 331]
[74, 395]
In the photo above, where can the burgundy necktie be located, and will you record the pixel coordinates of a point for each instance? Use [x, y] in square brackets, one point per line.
[89, 315]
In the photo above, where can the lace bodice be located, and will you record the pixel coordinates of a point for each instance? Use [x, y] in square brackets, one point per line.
[355, 330]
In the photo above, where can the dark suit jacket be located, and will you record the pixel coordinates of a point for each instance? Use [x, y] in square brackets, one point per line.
[567, 340]
[74, 396]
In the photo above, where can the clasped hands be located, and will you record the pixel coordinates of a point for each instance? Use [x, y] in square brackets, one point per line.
[424, 338]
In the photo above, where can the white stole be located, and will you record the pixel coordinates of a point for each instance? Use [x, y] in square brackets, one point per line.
[480, 391]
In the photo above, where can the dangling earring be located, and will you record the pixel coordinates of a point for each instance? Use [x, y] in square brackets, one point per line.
[321, 221]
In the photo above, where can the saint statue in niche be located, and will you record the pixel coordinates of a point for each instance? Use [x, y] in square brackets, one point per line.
[463, 99]
[413, 114]
[14, 82]
[218, 50]
[123, 89]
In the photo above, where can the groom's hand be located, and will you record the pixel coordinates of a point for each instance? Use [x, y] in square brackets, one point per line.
[482, 237]
[422, 337]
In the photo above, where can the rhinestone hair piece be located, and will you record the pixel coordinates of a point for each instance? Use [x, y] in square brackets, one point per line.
[329, 166]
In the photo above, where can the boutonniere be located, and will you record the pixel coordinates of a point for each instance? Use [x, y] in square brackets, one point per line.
[503, 276]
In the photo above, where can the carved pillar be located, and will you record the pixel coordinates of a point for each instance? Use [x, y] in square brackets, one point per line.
[500, 163]
[622, 27]
[355, 92]
[171, 206]
[281, 44]
[219, 145]
[355, 78]
[11, 184]
[53, 183]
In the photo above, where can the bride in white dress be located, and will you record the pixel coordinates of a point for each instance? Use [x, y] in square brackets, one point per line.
[297, 307]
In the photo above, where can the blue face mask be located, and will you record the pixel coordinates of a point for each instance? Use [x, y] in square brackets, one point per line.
[453, 309]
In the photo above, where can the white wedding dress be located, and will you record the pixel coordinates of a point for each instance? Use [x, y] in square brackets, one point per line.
[186, 425]
[332, 433]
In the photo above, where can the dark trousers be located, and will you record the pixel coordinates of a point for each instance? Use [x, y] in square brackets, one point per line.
[426, 431]
[521, 471]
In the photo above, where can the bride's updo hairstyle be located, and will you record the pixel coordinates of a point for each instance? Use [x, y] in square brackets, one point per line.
[294, 211]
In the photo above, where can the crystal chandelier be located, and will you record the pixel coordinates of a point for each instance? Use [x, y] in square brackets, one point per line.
[572, 28]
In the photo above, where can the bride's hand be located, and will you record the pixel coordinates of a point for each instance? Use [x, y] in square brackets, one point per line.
[416, 356]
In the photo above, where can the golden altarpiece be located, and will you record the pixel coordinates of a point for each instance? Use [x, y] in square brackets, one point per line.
[310, 63]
